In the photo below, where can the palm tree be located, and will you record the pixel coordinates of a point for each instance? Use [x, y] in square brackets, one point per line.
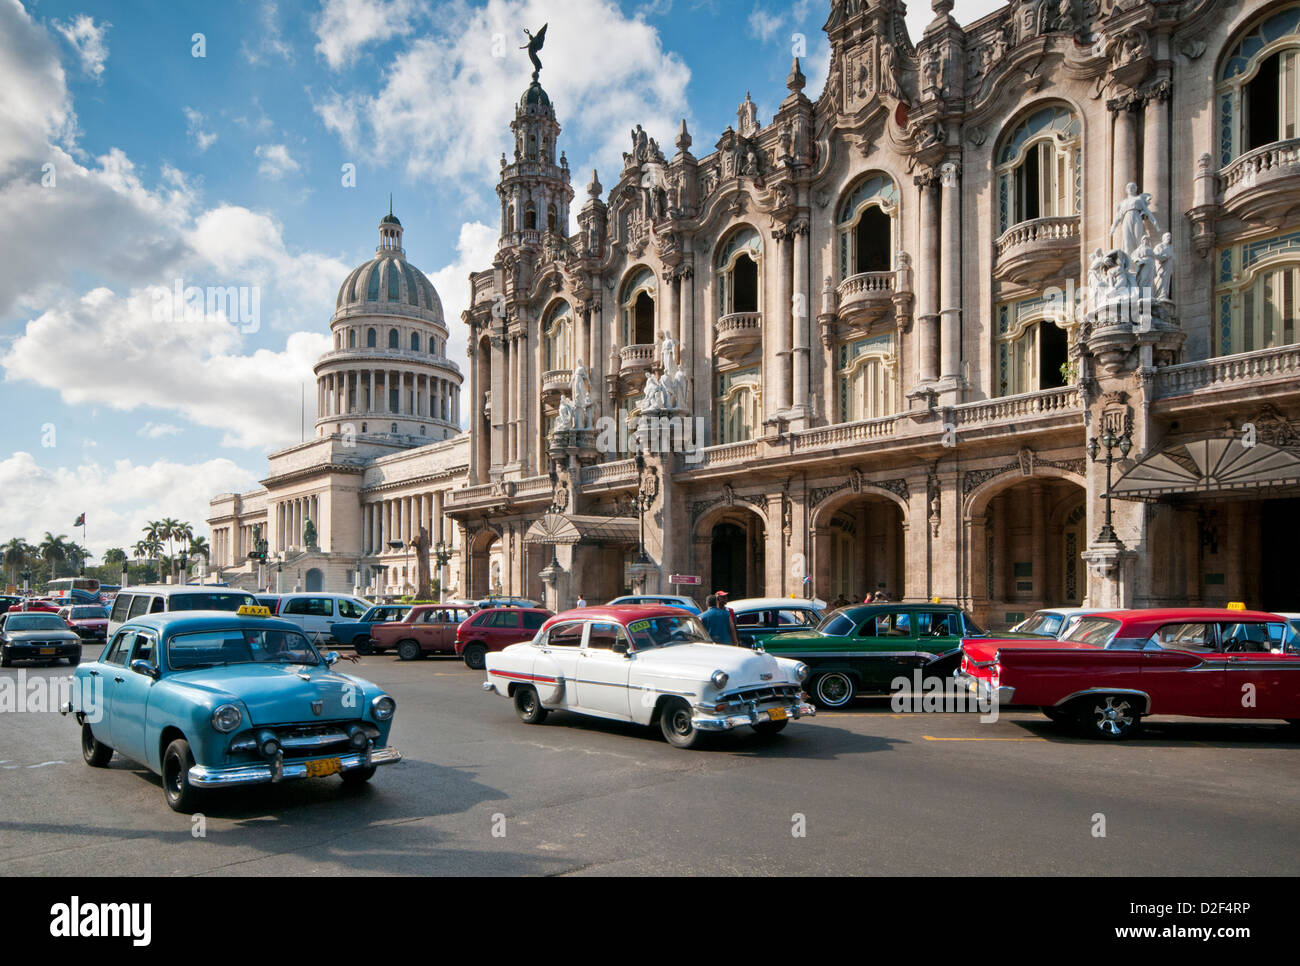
[167, 531]
[75, 554]
[114, 555]
[16, 553]
[199, 547]
[53, 550]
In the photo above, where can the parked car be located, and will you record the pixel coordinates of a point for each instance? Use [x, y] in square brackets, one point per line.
[1051, 622]
[90, 621]
[37, 636]
[425, 629]
[133, 602]
[356, 634]
[9, 600]
[1116, 667]
[667, 600]
[507, 602]
[496, 628]
[650, 665]
[864, 648]
[759, 618]
[206, 700]
[270, 601]
[317, 613]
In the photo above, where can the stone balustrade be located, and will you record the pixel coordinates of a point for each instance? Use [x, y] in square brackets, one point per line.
[615, 471]
[737, 333]
[636, 357]
[557, 380]
[1037, 249]
[1240, 369]
[1255, 168]
[842, 434]
[1045, 402]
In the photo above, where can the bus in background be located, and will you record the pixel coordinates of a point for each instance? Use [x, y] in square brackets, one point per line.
[75, 590]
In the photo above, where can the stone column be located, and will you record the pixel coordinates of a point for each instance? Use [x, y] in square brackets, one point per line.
[784, 323]
[668, 320]
[498, 424]
[1039, 537]
[927, 280]
[1124, 154]
[801, 313]
[1155, 154]
[950, 277]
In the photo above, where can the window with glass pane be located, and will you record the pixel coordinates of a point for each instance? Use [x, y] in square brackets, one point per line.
[865, 223]
[1257, 297]
[1259, 86]
[1036, 167]
[737, 405]
[557, 338]
[867, 370]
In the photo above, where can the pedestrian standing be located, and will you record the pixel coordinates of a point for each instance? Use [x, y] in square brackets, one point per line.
[581, 601]
[716, 620]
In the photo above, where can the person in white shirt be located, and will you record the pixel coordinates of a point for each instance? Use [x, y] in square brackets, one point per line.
[581, 602]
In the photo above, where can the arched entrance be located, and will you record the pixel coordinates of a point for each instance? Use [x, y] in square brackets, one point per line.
[730, 554]
[1026, 538]
[315, 580]
[484, 548]
[858, 547]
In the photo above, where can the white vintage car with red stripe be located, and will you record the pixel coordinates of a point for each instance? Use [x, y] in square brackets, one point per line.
[651, 665]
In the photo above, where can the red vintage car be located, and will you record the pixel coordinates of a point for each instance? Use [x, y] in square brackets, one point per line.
[1116, 667]
[495, 629]
[426, 629]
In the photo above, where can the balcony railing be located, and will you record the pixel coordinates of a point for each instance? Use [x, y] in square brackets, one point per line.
[1258, 167]
[364, 354]
[738, 332]
[726, 454]
[1037, 248]
[867, 293]
[632, 358]
[557, 380]
[1243, 368]
[843, 434]
[1045, 402]
[615, 471]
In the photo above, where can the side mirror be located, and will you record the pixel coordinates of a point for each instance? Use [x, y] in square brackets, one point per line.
[141, 666]
[331, 658]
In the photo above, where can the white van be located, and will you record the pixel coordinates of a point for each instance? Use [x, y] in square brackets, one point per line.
[162, 598]
[318, 613]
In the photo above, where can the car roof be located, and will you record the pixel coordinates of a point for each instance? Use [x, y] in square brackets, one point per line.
[1159, 615]
[890, 606]
[165, 590]
[617, 613]
[777, 602]
[198, 620]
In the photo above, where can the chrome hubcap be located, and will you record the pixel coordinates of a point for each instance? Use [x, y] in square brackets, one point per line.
[1114, 717]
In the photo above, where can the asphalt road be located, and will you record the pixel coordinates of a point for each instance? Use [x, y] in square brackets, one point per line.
[860, 792]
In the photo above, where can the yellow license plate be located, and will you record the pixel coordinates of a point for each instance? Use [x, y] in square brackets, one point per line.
[326, 766]
[47, 650]
[776, 714]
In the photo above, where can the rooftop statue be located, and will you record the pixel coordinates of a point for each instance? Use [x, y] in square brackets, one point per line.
[535, 42]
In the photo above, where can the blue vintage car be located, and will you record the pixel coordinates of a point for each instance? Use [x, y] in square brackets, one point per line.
[210, 699]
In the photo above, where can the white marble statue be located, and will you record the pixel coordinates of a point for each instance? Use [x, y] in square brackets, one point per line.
[1144, 266]
[656, 396]
[580, 392]
[678, 387]
[1164, 256]
[1130, 217]
[566, 418]
[669, 353]
[747, 118]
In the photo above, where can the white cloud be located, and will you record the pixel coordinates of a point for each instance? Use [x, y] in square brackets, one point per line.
[764, 25]
[125, 354]
[88, 40]
[153, 430]
[345, 26]
[476, 246]
[276, 161]
[118, 498]
[194, 127]
[270, 42]
[446, 101]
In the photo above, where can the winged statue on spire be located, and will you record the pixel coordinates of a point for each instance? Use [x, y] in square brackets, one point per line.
[534, 44]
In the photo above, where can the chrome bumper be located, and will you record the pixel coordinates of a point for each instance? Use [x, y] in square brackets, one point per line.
[725, 722]
[205, 777]
[981, 689]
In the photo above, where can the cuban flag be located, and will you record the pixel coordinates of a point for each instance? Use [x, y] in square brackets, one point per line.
[81, 521]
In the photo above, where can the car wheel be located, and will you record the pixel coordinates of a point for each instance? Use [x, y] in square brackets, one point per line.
[529, 705]
[1110, 716]
[409, 650]
[74, 660]
[5, 659]
[96, 753]
[766, 728]
[176, 765]
[363, 647]
[476, 656]
[675, 721]
[834, 690]
[358, 776]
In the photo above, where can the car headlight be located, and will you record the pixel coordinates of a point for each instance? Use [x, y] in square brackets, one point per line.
[383, 707]
[719, 679]
[801, 671]
[227, 718]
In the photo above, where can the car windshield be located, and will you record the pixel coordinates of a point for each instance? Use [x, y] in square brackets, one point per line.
[1043, 622]
[1092, 630]
[88, 613]
[239, 645]
[36, 622]
[665, 631]
[231, 602]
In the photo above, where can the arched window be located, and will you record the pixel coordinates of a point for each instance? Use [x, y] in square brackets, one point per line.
[550, 217]
[352, 338]
[415, 342]
[1032, 347]
[371, 336]
[372, 289]
[393, 289]
[736, 405]
[392, 339]
[530, 217]
[1259, 86]
[557, 338]
[412, 289]
[867, 372]
[1258, 295]
[865, 225]
[638, 305]
[1039, 168]
[737, 271]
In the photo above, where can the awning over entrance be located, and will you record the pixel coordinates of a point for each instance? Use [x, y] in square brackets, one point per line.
[559, 528]
[1220, 465]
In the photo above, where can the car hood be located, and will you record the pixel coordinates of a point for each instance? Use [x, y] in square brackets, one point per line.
[23, 637]
[699, 661]
[278, 693]
[984, 650]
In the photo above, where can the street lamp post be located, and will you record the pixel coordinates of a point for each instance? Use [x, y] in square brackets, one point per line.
[397, 545]
[441, 554]
[641, 502]
[1110, 442]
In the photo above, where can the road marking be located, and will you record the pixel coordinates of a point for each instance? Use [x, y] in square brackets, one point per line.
[932, 738]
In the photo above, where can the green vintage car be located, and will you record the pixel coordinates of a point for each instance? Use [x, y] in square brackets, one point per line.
[862, 649]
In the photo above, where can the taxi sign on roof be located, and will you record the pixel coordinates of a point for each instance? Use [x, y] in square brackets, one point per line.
[1236, 605]
[249, 610]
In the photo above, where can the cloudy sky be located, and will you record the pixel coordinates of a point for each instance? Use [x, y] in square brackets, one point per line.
[199, 144]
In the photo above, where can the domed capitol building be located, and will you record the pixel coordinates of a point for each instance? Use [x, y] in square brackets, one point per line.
[1006, 316]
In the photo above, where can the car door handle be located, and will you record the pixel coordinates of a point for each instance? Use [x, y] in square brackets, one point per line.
[93, 674]
[119, 680]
